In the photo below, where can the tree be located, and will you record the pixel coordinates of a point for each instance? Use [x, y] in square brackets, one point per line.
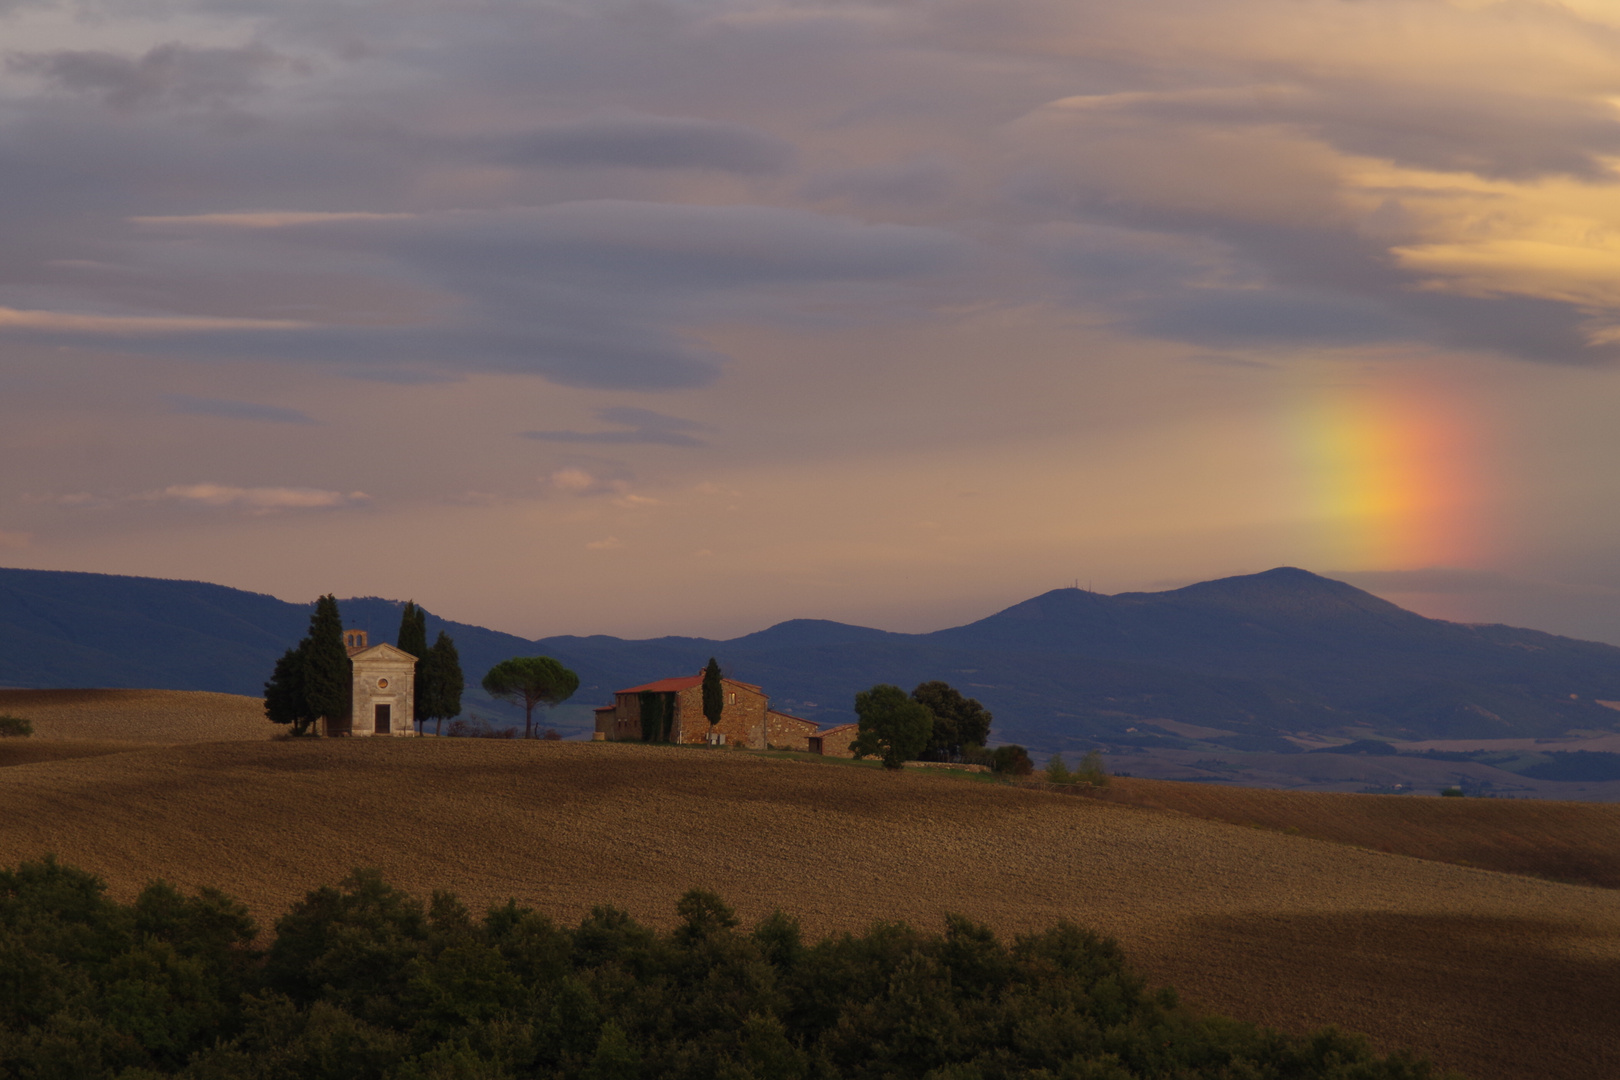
[531, 681]
[1011, 760]
[1057, 772]
[1092, 770]
[284, 701]
[313, 681]
[958, 721]
[328, 675]
[714, 694]
[413, 639]
[440, 682]
[892, 726]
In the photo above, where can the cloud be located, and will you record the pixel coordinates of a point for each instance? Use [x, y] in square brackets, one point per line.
[608, 543]
[14, 540]
[924, 179]
[174, 73]
[266, 219]
[236, 410]
[256, 500]
[635, 140]
[605, 479]
[72, 323]
[644, 426]
[534, 290]
[74, 498]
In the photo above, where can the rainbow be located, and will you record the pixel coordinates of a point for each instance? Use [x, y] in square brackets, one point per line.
[1392, 475]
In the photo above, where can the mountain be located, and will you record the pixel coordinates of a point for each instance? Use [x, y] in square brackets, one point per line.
[1255, 657]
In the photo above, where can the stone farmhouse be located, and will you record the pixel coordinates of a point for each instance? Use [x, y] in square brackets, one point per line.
[834, 741]
[383, 690]
[675, 708]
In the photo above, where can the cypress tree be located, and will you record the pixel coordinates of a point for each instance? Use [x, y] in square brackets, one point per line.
[328, 675]
[440, 682]
[714, 694]
[413, 639]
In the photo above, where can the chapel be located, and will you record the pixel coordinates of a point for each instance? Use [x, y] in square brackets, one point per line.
[384, 689]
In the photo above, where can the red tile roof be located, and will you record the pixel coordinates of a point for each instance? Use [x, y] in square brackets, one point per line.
[665, 686]
[839, 727]
[676, 685]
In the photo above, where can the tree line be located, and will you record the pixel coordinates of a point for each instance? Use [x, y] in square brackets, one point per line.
[362, 981]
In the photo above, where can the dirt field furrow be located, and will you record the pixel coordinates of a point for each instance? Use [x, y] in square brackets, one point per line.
[1498, 975]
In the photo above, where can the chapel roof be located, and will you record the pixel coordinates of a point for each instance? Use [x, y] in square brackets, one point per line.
[381, 651]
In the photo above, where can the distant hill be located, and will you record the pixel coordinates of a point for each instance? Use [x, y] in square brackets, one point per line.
[1255, 657]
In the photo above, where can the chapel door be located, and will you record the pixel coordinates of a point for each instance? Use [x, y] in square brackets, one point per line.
[384, 720]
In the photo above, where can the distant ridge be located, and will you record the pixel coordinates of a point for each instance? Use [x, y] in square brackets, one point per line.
[1258, 655]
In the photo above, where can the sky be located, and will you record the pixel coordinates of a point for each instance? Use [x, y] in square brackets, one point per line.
[691, 316]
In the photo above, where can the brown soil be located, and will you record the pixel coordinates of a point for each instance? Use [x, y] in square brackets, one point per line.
[1492, 974]
[147, 716]
[25, 751]
[1560, 841]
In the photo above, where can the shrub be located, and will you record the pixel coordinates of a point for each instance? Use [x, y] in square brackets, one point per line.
[551, 735]
[974, 754]
[1011, 760]
[364, 981]
[478, 728]
[1452, 792]
[1092, 770]
[1057, 772]
[15, 726]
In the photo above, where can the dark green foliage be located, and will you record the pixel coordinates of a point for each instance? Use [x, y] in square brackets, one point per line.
[958, 721]
[413, 639]
[531, 681]
[313, 680]
[284, 699]
[657, 715]
[89, 987]
[892, 726]
[365, 982]
[328, 675]
[714, 694]
[1011, 760]
[439, 682]
[14, 726]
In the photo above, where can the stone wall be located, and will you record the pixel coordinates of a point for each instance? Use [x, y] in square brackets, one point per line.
[785, 732]
[388, 681]
[835, 740]
[742, 716]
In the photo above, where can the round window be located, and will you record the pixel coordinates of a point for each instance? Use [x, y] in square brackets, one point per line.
[382, 684]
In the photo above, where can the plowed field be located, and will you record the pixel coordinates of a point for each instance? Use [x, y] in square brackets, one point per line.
[149, 716]
[1496, 975]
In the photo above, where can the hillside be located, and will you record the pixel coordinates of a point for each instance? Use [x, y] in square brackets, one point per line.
[1499, 976]
[1254, 660]
[138, 716]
